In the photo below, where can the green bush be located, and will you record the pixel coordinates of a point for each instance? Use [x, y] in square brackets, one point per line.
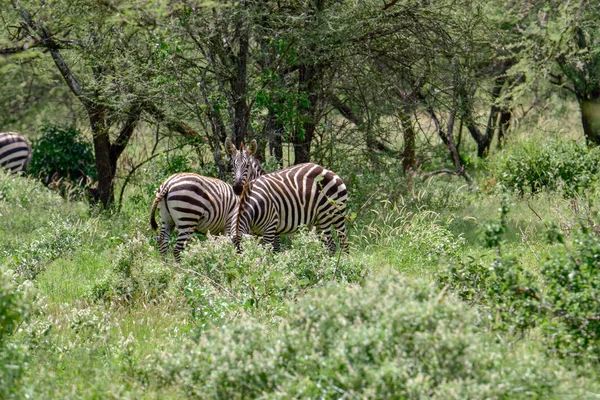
[218, 279]
[572, 278]
[49, 243]
[502, 288]
[14, 307]
[533, 166]
[61, 157]
[388, 339]
[136, 275]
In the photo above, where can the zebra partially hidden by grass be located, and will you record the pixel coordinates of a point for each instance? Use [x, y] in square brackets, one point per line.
[192, 203]
[15, 152]
[283, 201]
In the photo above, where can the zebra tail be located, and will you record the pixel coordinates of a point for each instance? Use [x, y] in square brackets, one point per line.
[159, 196]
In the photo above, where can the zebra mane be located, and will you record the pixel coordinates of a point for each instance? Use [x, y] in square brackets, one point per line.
[242, 206]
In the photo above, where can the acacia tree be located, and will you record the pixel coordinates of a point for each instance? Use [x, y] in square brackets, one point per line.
[561, 41]
[107, 59]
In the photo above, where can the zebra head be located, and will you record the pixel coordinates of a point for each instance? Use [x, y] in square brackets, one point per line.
[246, 167]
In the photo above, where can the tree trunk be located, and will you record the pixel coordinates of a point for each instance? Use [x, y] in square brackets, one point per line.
[590, 118]
[308, 77]
[273, 131]
[409, 160]
[239, 86]
[106, 175]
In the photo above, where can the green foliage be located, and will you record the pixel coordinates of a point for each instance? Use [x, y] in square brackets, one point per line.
[388, 339]
[504, 289]
[257, 280]
[572, 278]
[63, 158]
[135, 275]
[14, 308]
[531, 167]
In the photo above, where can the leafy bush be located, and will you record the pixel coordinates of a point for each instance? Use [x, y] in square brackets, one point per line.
[61, 157]
[572, 278]
[135, 275]
[534, 166]
[217, 279]
[387, 339]
[14, 307]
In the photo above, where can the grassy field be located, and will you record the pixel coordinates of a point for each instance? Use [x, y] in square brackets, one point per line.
[448, 292]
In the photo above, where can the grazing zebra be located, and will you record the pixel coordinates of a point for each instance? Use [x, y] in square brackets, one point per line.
[245, 166]
[282, 201]
[192, 203]
[15, 152]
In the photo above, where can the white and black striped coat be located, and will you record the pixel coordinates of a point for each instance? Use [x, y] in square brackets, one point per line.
[15, 152]
[281, 202]
[192, 203]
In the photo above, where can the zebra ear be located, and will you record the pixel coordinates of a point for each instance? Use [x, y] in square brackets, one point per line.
[251, 147]
[229, 146]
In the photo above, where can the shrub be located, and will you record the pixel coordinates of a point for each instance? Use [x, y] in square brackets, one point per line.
[49, 243]
[217, 279]
[62, 158]
[534, 166]
[135, 275]
[503, 288]
[14, 307]
[388, 339]
[572, 278]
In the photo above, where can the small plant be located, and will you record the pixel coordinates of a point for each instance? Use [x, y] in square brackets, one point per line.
[51, 242]
[135, 275]
[62, 159]
[14, 308]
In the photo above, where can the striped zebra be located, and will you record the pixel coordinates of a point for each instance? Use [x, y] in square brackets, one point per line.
[245, 166]
[15, 152]
[192, 203]
[283, 201]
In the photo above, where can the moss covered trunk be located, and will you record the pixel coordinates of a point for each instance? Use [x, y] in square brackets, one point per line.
[590, 118]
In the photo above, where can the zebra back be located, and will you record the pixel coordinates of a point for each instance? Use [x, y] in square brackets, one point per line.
[192, 199]
[15, 152]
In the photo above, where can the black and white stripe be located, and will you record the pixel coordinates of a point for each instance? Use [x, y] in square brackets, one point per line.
[192, 203]
[15, 152]
[281, 202]
[245, 166]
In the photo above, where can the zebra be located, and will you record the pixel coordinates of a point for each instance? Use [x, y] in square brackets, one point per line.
[283, 201]
[15, 152]
[192, 203]
[245, 166]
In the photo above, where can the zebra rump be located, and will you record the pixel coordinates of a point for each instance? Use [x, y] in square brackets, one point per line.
[192, 203]
[15, 152]
[283, 201]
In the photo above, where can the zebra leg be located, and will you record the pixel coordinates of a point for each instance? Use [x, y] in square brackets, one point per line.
[163, 239]
[327, 238]
[340, 228]
[271, 237]
[182, 238]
